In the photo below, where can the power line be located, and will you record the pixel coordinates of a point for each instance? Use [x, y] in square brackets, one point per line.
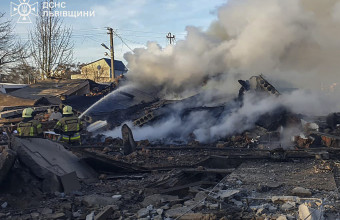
[150, 32]
[122, 40]
[91, 38]
[103, 34]
[127, 30]
[94, 36]
[134, 42]
[101, 29]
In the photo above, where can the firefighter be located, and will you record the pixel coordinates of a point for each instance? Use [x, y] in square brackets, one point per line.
[29, 127]
[69, 127]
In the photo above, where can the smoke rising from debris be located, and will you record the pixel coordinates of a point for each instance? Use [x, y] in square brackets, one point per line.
[207, 128]
[293, 43]
[293, 40]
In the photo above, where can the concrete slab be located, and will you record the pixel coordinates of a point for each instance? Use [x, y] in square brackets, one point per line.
[43, 156]
[70, 182]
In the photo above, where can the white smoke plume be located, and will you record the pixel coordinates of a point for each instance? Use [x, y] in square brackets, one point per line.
[254, 106]
[292, 40]
[294, 43]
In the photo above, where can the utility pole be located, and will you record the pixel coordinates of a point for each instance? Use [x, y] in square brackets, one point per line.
[171, 38]
[112, 54]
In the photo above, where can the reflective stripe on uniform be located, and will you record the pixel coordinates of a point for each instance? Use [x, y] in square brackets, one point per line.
[69, 125]
[27, 129]
[32, 131]
[75, 137]
[58, 125]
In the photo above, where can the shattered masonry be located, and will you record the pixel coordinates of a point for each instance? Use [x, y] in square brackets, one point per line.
[283, 166]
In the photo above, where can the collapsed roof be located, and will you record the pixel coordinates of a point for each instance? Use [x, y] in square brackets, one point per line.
[53, 88]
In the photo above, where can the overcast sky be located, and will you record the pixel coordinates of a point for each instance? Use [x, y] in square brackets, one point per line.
[136, 21]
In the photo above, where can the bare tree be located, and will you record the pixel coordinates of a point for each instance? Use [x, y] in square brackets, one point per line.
[64, 71]
[51, 43]
[11, 50]
[21, 73]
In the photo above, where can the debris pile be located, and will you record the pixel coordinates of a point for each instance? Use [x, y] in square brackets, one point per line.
[283, 166]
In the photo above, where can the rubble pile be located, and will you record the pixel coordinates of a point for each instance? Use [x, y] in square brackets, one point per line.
[153, 159]
[284, 166]
[223, 199]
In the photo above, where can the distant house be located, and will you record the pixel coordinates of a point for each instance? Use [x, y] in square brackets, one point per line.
[100, 70]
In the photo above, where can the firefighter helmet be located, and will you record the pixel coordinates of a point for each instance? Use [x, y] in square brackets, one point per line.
[67, 110]
[27, 113]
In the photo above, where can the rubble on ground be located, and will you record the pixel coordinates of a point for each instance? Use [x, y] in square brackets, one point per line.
[253, 174]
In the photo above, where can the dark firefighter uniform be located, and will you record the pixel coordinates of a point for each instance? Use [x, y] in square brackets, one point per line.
[69, 127]
[29, 127]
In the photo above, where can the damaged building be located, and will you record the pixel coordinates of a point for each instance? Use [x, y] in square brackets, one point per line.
[261, 171]
[238, 118]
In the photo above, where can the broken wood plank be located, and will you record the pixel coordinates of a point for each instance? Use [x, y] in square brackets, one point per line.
[10, 120]
[18, 112]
